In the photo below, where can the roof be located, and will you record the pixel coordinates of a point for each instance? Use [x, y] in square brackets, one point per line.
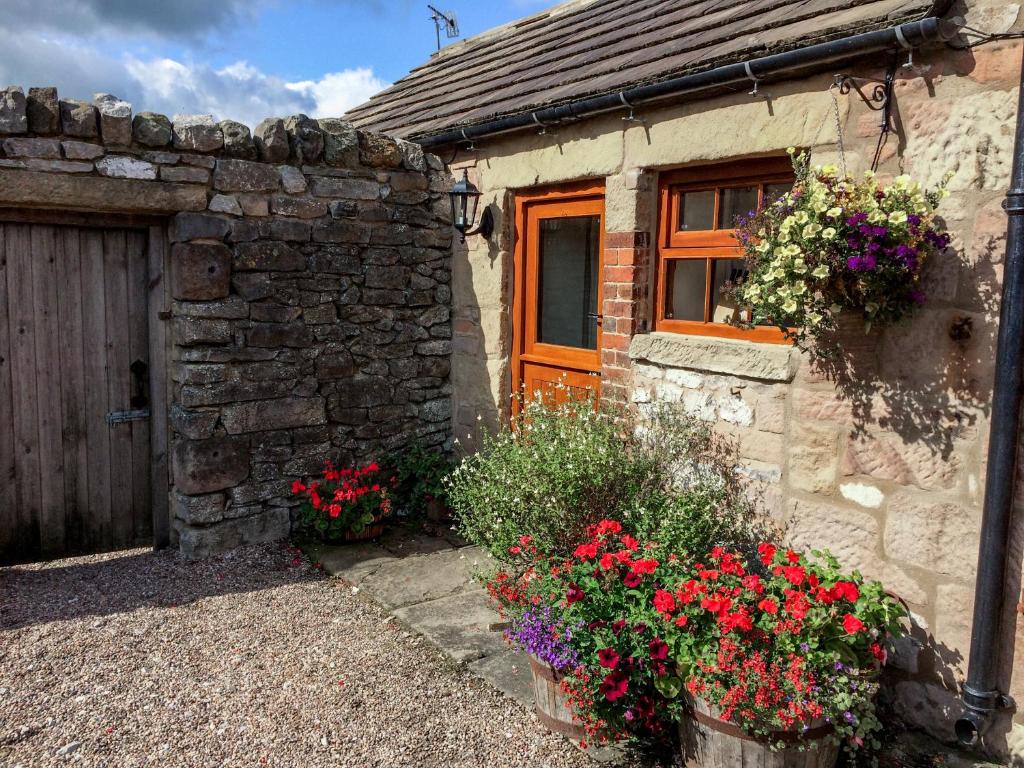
[589, 48]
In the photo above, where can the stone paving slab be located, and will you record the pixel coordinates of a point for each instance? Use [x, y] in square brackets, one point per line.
[352, 562]
[459, 625]
[509, 672]
[400, 582]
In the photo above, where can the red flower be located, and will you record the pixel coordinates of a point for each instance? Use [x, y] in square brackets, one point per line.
[629, 542]
[608, 658]
[514, 550]
[878, 652]
[664, 602]
[298, 487]
[846, 590]
[682, 621]
[792, 556]
[334, 510]
[607, 561]
[614, 686]
[753, 583]
[608, 526]
[632, 579]
[852, 624]
[645, 566]
[618, 626]
[769, 606]
[525, 540]
[573, 594]
[794, 574]
[767, 553]
[586, 551]
[658, 649]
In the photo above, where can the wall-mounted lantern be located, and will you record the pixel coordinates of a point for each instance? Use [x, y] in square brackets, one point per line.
[465, 197]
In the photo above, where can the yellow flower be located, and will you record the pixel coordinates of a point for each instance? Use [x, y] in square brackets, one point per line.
[814, 317]
[802, 217]
[834, 213]
[811, 230]
[829, 170]
[789, 307]
[753, 292]
[784, 236]
[828, 233]
[799, 266]
[764, 246]
[799, 289]
[820, 272]
[791, 250]
[898, 217]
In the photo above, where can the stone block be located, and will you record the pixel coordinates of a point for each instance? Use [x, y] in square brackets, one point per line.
[43, 111]
[768, 362]
[225, 204]
[379, 151]
[813, 458]
[81, 150]
[254, 205]
[271, 140]
[151, 129]
[341, 231]
[245, 176]
[198, 226]
[200, 271]
[933, 535]
[339, 365]
[264, 415]
[395, 278]
[184, 174]
[270, 524]
[888, 457]
[293, 180]
[229, 308]
[267, 256]
[124, 167]
[863, 494]
[305, 139]
[197, 133]
[115, 118]
[290, 230]
[195, 425]
[190, 331]
[850, 534]
[413, 156]
[13, 110]
[300, 207]
[78, 119]
[206, 466]
[200, 510]
[199, 161]
[45, 149]
[266, 312]
[341, 142]
[238, 141]
[364, 392]
[320, 315]
[352, 189]
[22, 187]
[280, 335]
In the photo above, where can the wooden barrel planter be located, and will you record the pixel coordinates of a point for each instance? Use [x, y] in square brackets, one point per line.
[710, 742]
[553, 708]
[373, 531]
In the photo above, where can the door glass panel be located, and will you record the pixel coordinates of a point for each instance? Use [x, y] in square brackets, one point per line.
[568, 277]
[686, 286]
[736, 201]
[697, 211]
[725, 273]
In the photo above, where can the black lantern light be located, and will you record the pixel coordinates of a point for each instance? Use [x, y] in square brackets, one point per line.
[465, 197]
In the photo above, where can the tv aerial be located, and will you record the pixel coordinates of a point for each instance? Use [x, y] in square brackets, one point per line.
[446, 20]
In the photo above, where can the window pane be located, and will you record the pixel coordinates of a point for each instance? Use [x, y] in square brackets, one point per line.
[725, 272]
[697, 211]
[686, 288]
[773, 192]
[567, 301]
[737, 201]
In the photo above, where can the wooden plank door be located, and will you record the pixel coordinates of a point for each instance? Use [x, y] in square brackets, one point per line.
[559, 286]
[73, 321]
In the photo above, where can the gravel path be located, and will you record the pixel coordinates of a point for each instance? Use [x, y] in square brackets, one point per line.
[143, 659]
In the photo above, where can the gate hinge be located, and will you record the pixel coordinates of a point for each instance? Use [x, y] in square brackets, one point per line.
[121, 417]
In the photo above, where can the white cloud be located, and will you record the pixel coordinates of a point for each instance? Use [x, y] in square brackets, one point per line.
[337, 92]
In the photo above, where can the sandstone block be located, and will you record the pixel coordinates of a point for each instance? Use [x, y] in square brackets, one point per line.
[196, 226]
[46, 149]
[932, 535]
[271, 140]
[43, 111]
[124, 167]
[206, 466]
[863, 494]
[268, 256]
[851, 535]
[81, 150]
[378, 151]
[152, 130]
[197, 133]
[200, 271]
[341, 142]
[270, 524]
[887, 457]
[184, 174]
[293, 180]
[245, 176]
[115, 117]
[305, 139]
[225, 204]
[263, 415]
[13, 110]
[769, 362]
[238, 141]
[813, 456]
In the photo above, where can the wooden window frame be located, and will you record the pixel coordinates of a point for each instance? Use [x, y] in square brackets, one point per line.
[708, 245]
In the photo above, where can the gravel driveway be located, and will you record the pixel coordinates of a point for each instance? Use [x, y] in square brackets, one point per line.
[142, 659]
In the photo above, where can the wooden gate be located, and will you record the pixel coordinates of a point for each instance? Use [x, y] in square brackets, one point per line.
[75, 472]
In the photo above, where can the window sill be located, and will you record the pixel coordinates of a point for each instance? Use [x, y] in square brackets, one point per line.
[710, 354]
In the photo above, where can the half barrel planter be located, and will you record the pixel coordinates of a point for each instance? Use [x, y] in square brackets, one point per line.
[707, 741]
[553, 709]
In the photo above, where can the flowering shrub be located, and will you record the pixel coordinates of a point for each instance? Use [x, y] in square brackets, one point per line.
[343, 502]
[834, 243]
[419, 478]
[782, 644]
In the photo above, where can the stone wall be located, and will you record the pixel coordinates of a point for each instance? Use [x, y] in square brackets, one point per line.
[308, 299]
[882, 459]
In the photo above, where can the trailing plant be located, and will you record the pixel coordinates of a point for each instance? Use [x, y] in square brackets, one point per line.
[343, 502]
[419, 478]
[838, 243]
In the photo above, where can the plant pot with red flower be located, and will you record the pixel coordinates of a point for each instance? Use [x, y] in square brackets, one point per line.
[344, 505]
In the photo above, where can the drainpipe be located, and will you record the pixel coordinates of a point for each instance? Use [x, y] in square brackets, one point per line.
[981, 695]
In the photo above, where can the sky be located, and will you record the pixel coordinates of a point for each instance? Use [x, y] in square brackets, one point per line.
[239, 59]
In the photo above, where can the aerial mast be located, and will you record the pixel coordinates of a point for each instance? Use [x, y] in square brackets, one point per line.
[446, 20]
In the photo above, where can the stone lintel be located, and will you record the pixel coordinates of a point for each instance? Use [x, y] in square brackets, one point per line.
[93, 193]
[765, 362]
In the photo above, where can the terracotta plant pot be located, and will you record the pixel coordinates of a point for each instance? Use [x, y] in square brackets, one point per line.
[438, 511]
[709, 742]
[553, 708]
[373, 531]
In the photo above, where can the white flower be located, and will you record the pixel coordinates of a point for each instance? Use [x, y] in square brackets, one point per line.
[811, 230]
[789, 307]
[814, 317]
[799, 266]
[801, 217]
[820, 272]
[828, 233]
[834, 213]
[898, 217]
[799, 288]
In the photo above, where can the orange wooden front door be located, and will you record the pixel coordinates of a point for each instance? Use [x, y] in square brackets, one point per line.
[559, 260]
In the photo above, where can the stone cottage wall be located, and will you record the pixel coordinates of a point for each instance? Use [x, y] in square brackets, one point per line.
[880, 459]
[308, 292]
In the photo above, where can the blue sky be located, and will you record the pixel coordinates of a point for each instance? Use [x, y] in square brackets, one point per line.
[239, 59]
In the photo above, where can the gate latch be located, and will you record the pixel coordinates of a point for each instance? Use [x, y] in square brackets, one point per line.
[122, 417]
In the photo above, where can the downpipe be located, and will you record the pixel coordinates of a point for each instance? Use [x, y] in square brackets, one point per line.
[980, 694]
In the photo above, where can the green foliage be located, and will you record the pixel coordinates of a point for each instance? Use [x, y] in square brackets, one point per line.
[419, 474]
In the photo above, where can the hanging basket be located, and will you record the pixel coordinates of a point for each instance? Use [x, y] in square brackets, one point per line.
[707, 741]
[553, 708]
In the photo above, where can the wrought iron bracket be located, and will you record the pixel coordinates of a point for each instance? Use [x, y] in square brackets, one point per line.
[876, 94]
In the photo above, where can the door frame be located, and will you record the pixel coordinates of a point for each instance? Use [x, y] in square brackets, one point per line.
[157, 306]
[584, 191]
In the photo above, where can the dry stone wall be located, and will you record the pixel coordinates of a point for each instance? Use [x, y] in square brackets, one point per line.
[308, 294]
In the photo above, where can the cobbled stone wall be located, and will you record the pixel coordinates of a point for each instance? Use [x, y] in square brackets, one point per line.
[308, 297]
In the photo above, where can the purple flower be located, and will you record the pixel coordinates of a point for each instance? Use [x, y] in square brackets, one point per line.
[917, 296]
[839, 666]
[537, 633]
[849, 717]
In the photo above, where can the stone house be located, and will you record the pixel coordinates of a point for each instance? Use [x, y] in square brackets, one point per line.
[618, 135]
